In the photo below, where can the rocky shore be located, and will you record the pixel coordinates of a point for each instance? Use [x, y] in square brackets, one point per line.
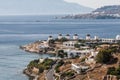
[36, 47]
[32, 47]
[26, 72]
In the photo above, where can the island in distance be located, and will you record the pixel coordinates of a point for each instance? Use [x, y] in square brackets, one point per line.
[106, 12]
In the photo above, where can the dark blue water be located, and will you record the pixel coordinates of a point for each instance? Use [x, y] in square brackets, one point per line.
[20, 30]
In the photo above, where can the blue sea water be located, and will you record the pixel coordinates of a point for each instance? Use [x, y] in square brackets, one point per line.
[20, 30]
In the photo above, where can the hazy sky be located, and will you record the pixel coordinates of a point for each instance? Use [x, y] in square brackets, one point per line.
[13, 7]
[95, 3]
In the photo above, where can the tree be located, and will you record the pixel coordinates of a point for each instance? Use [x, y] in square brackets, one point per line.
[104, 56]
[77, 45]
[62, 54]
[41, 69]
[61, 40]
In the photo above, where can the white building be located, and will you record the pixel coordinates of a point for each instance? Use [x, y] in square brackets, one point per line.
[118, 37]
[44, 44]
[96, 38]
[60, 36]
[67, 36]
[79, 68]
[73, 53]
[106, 40]
[75, 37]
[50, 38]
[91, 58]
[69, 44]
[41, 60]
[88, 37]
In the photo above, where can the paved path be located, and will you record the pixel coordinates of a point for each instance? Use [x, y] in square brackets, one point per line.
[50, 73]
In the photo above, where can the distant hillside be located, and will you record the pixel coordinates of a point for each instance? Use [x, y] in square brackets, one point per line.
[62, 7]
[106, 12]
[38, 7]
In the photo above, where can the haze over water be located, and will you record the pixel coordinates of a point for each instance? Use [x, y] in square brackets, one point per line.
[20, 30]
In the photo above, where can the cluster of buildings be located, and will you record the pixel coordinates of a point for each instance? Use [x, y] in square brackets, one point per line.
[79, 68]
[73, 41]
[88, 37]
[69, 48]
[85, 66]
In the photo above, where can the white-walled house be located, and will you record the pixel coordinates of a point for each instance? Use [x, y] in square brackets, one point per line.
[73, 53]
[91, 58]
[69, 44]
[79, 68]
[44, 44]
[108, 40]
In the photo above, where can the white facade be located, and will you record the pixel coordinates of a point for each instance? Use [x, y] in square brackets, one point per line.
[109, 40]
[75, 37]
[41, 60]
[44, 44]
[67, 36]
[79, 68]
[118, 37]
[91, 58]
[60, 36]
[69, 44]
[96, 37]
[50, 38]
[88, 37]
[81, 53]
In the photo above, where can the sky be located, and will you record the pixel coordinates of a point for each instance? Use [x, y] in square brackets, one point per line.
[25, 7]
[95, 3]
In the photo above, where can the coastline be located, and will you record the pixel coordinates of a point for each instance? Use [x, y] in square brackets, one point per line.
[85, 52]
[35, 48]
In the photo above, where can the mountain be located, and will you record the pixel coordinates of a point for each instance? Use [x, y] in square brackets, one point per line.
[106, 12]
[41, 7]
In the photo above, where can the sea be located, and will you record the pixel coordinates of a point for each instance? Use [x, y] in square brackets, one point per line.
[21, 30]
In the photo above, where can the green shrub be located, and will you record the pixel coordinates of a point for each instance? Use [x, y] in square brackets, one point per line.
[104, 56]
[114, 71]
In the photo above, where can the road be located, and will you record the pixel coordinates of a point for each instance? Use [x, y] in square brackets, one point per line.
[50, 73]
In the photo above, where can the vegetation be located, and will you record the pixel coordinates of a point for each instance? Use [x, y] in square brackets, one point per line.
[47, 63]
[60, 63]
[61, 40]
[83, 59]
[81, 41]
[77, 45]
[114, 71]
[67, 74]
[104, 56]
[61, 54]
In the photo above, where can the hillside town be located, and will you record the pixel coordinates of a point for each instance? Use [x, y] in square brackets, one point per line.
[75, 58]
[105, 12]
